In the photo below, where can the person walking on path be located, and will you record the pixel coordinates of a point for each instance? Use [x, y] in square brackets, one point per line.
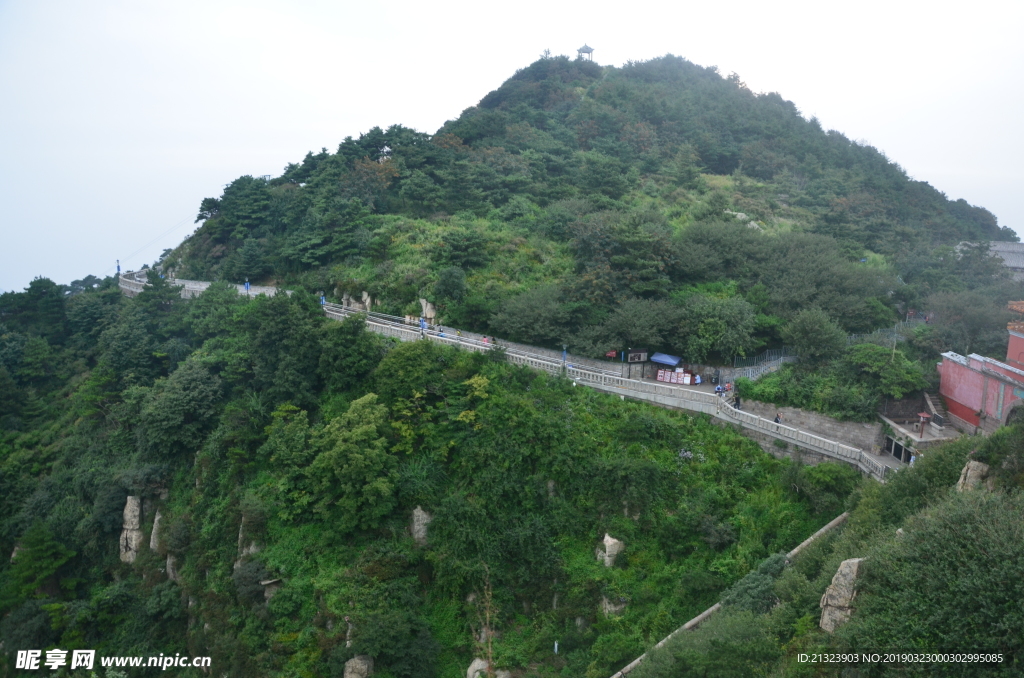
[778, 417]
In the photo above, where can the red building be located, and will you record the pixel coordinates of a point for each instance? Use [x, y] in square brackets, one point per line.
[981, 394]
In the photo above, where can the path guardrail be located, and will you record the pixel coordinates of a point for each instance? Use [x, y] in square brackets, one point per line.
[604, 380]
[673, 396]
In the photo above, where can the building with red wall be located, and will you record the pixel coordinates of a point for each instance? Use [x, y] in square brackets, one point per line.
[981, 394]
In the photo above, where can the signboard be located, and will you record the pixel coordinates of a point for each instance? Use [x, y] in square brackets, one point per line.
[611, 354]
[637, 355]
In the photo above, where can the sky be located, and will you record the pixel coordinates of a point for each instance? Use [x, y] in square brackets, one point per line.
[118, 117]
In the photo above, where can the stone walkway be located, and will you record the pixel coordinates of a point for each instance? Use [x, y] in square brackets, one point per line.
[600, 375]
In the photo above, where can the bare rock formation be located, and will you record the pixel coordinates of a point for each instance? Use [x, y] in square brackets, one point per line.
[271, 587]
[154, 536]
[612, 548]
[251, 549]
[835, 604]
[429, 312]
[172, 569]
[131, 531]
[610, 607]
[972, 476]
[360, 666]
[420, 520]
[479, 667]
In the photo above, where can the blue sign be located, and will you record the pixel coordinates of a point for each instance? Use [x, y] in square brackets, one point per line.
[423, 324]
[323, 300]
[246, 285]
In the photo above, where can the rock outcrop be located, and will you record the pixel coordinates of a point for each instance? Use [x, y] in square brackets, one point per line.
[172, 569]
[612, 548]
[131, 531]
[248, 550]
[972, 476]
[154, 536]
[271, 587]
[428, 311]
[835, 603]
[420, 520]
[610, 607]
[360, 666]
[478, 669]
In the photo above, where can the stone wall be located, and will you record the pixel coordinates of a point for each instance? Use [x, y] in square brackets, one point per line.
[769, 445]
[867, 437]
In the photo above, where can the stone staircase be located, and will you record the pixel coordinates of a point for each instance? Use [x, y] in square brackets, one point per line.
[937, 408]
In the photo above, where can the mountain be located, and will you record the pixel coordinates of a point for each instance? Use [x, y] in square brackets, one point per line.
[576, 193]
[244, 480]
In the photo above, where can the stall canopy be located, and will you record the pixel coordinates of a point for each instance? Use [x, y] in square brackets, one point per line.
[665, 359]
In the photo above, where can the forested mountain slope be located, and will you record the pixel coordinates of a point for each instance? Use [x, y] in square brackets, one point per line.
[658, 203]
[280, 447]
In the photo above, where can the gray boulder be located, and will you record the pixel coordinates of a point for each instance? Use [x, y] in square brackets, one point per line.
[478, 669]
[610, 607]
[420, 520]
[131, 531]
[835, 603]
[360, 666]
[612, 548]
[154, 536]
[972, 476]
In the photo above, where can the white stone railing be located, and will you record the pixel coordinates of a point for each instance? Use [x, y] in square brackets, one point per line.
[672, 396]
[604, 380]
[133, 283]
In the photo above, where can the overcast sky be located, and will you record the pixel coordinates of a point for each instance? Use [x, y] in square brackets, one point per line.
[118, 117]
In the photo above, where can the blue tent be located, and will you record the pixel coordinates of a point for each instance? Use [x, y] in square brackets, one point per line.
[665, 359]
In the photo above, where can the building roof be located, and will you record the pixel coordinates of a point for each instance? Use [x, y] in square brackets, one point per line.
[585, 49]
[1017, 306]
[1012, 253]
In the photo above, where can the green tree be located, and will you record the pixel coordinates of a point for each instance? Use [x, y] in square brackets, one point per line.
[251, 263]
[888, 369]
[354, 473]
[450, 285]
[722, 326]
[969, 322]
[731, 644]
[542, 315]
[814, 335]
[349, 353]
[969, 543]
[635, 323]
[35, 566]
[178, 410]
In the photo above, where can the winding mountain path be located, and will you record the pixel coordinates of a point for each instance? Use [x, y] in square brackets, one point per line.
[590, 373]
